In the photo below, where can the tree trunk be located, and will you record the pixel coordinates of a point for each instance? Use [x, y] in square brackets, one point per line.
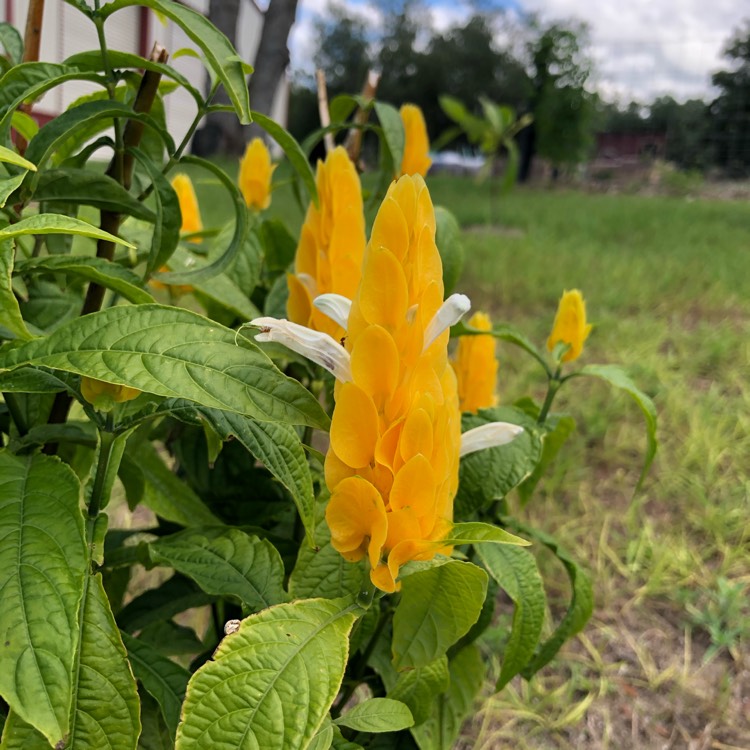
[221, 131]
[272, 57]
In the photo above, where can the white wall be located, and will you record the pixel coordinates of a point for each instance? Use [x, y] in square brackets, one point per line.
[66, 31]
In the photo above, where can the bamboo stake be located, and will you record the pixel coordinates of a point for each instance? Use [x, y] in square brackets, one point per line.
[353, 143]
[325, 116]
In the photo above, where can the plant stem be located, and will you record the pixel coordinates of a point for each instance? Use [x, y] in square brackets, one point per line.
[97, 500]
[31, 42]
[553, 386]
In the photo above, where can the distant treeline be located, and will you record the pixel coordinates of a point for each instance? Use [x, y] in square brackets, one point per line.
[538, 68]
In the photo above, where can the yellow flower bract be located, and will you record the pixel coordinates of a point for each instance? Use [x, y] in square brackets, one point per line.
[104, 395]
[476, 365]
[416, 159]
[255, 175]
[331, 244]
[570, 325]
[392, 465]
[191, 215]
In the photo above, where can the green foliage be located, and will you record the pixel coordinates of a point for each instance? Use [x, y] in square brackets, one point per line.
[293, 656]
[130, 382]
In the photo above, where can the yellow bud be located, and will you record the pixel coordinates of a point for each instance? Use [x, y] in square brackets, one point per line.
[103, 396]
[570, 325]
[476, 367]
[256, 171]
[416, 159]
[191, 215]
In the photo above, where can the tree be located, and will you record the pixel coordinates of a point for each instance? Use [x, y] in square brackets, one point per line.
[222, 132]
[730, 111]
[343, 51]
[563, 110]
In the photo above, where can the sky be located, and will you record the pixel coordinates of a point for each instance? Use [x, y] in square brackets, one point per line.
[641, 48]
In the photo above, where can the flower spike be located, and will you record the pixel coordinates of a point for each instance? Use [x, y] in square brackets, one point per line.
[317, 347]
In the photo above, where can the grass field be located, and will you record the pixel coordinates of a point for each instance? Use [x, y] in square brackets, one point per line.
[664, 661]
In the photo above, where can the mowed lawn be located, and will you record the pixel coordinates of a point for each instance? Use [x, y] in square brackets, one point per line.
[664, 661]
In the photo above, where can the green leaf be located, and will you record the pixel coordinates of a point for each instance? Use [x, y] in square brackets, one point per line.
[339, 743]
[473, 532]
[24, 124]
[323, 738]
[293, 152]
[280, 450]
[42, 565]
[12, 42]
[341, 107]
[322, 571]
[166, 233]
[615, 376]
[230, 563]
[28, 81]
[220, 288]
[82, 186]
[10, 312]
[57, 224]
[448, 240]
[440, 731]
[105, 698]
[454, 108]
[11, 157]
[31, 380]
[161, 603]
[167, 495]
[437, 607]
[393, 131]
[238, 238]
[418, 688]
[517, 573]
[272, 682]
[279, 245]
[8, 186]
[219, 53]
[175, 353]
[377, 715]
[161, 677]
[18, 735]
[579, 610]
[155, 735]
[491, 474]
[171, 639]
[92, 60]
[63, 128]
[557, 431]
[99, 270]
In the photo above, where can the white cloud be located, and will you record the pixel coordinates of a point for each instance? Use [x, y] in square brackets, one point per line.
[641, 48]
[646, 48]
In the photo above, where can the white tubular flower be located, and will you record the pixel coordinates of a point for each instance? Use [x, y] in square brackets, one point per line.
[450, 312]
[335, 306]
[488, 436]
[317, 347]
